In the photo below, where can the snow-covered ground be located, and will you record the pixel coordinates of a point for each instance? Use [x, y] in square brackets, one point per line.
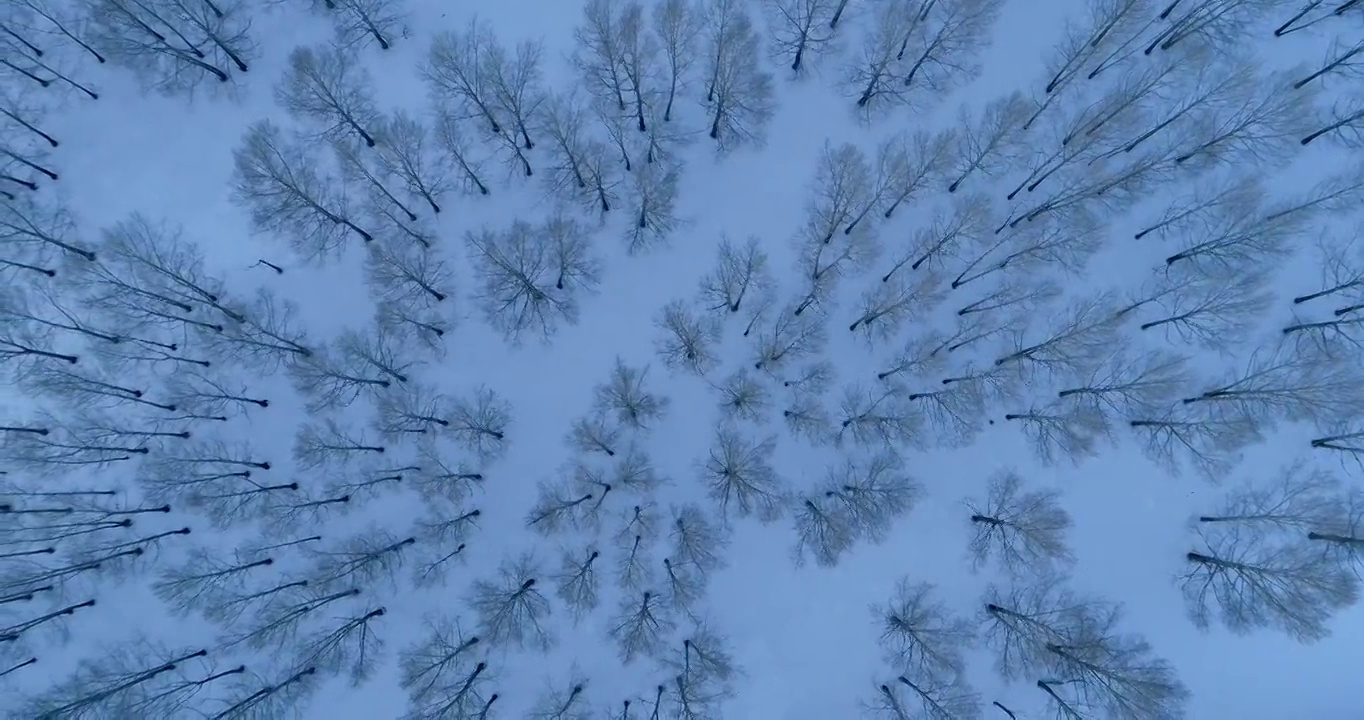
[803, 637]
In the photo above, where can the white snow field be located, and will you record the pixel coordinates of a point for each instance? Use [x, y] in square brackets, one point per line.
[580, 360]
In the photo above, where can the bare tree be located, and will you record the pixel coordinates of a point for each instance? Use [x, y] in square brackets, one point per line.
[911, 162]
[1344, 124]
[577, 583]
[457, 73]
[1289, 384]
[1024, 530]
[625, 396]
[33, 235]
[330, 378]
[954, 229]
[1299, 498]
[1066, 241]
[510, 607]
[739, 90]
[823, 531]
[1132, 383]
[360, 22]
[1259, 129]
[1216, 311]
[445, 675]
[986, 144]
[1342, 538]
[873, 491]
[516, 87]
[1107, 27]
[327, 87]
[842, 185]
[279, 182]
[369, 559]
[151, 263]
[258, 695]
[652, 208]
[740, 478]
[562, 505]
[874, 415]
[1062, 428]
[600, 55]
[872, 78]
[478, 423]
[697, 542]
[407, 274]
[1237, 236]
[347, 643]
[441, 543]
[943, 52]
[800, 30]
[405, 152]
[1212, 21]
[790, 337]
[1043, 628]
[462, 157]
[1343, 58]
[677, 23]
[565, 700]
[743, 396]
[595, 432]
[1333, 193]
[886, 306]
[686, 340]
[174, 47]
[740, 273]
[205, 575]
[264, 337]
[532, 278]
[919, 634]
[1083, 331]
[1251, 582]
[939, 698]
[641, 626]
[127, 679]
[1199, 438]
[326, 444]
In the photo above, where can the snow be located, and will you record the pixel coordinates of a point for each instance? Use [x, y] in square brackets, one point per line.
[804, 637]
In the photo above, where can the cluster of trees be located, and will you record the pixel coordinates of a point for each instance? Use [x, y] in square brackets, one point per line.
[134, 354]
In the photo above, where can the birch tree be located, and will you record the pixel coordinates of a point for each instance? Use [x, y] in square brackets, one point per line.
[1024, 530]
[986, 144]
[446, 675]
[532, 280]
[457, 75]
[479, 421]
[740, 273]
[511, 609]
[1248, 582]
[1083, 331]
[1298, 498]
[919, 634]
[801, 31]
[874, 491]
[686, 341]
[327, 88]
[739, 90]
[1062, 429]
[279, 182]
[678, 24]
[1285, 384]
[740, 478]
[1185, 436]
[174, 48]
[1132, 383]
[641, 626]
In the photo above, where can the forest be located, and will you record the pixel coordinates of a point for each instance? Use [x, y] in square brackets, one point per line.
[681, 359]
